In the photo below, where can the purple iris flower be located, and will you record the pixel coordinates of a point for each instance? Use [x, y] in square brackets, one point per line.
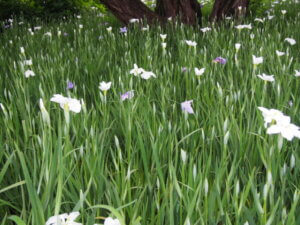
[70, 85]
[123, 30]
[220, 60]
[187, 107]
[127, 95]
[183, 69]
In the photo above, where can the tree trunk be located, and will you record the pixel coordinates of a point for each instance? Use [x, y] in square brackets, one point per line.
[125, 10]
[188, 11]
[224, 8]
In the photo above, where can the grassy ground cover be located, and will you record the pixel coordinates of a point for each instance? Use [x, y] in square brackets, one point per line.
[149, 159]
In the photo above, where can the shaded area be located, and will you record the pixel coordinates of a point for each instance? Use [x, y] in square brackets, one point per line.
[132, 9]
[189, 11]
[224, 8]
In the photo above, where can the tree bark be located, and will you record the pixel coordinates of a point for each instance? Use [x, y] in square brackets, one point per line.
[188, 11]
[224, 8]
[125, 10]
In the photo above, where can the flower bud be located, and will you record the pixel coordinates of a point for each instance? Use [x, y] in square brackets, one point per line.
[205, 187]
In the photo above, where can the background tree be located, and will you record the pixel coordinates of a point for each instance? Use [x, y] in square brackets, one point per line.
[224, 8]
[188, 11]
[129, 9]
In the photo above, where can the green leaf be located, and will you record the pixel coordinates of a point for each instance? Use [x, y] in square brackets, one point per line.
[33, 197]
[12, 186]
[17, 220]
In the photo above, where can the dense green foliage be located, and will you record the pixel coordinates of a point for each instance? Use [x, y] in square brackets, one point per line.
[44, 9]
[258, 7]
[144, 160]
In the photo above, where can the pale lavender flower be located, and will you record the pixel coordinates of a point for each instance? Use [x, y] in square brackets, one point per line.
[257, 60]
[127, 95]
[183, 69]
[123, 30]
[70, 85]
[220, 60]
[187, 107]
